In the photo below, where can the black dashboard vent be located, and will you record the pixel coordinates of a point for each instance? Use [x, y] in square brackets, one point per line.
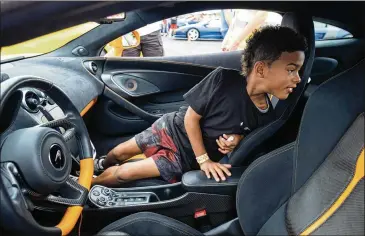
[92, 67]
[31, 101]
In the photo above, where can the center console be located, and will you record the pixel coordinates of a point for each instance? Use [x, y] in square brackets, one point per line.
[103, 197]
[197, 181]
[195, 186]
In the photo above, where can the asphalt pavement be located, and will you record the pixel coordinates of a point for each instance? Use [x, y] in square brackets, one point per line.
[183, 47]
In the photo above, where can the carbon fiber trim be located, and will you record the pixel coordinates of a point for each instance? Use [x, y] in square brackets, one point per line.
[63, 122]
[78, 191]
[69, 134]
[349, 218]
[328, 182]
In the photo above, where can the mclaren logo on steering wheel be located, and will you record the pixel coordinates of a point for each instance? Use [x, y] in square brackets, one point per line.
[56, 157]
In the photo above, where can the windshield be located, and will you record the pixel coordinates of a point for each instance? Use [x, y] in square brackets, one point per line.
[46, 43]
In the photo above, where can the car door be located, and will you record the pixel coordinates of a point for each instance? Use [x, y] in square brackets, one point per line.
[214, 29]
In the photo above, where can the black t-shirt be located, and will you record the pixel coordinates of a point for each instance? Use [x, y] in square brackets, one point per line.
[221, 99]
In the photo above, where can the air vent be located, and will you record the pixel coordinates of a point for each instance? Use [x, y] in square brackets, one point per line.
[31, 101]
[92, 67]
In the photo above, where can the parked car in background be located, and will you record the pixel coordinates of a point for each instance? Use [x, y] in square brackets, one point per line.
[324, 32]
[207, 29]
[211, 29]
[184, 22]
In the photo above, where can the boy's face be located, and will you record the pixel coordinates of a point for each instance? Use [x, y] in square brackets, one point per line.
[283, 75]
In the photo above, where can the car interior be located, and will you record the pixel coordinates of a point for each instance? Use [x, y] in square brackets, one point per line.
[301, 174]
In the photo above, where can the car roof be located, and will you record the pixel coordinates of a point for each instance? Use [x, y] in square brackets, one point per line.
[38, 18]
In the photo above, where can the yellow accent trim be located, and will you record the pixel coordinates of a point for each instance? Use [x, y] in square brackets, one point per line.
[88, 106]
[48, 42]
[73, 213]
[359, 174]
[86, 172]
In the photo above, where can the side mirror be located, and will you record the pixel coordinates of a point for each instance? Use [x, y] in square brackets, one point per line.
[115, 48]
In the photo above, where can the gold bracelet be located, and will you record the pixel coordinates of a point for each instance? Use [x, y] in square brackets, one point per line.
[203, 158]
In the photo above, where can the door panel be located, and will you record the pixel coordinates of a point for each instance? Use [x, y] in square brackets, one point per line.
[138, 93]
[139, 83]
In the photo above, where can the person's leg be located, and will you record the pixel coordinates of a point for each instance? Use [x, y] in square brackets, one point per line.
[121, 153]
[165, 163]
[132, 52]
[152, 45]
[115, 175]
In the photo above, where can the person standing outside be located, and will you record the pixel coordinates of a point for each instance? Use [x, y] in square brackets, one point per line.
[173, 26]
[164, 29]
[243, 24]
[226, 19]
[151, 42]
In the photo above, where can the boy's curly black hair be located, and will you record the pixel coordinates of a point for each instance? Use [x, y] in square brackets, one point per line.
[267, 44]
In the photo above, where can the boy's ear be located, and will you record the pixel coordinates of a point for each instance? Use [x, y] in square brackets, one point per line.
[259, 69]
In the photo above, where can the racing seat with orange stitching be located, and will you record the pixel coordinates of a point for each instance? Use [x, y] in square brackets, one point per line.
[314, 185]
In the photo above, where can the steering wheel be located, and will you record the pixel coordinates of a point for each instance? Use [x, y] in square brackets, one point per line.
[36, 161]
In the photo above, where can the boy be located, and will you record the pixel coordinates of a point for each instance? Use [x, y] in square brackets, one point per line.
[222, 108]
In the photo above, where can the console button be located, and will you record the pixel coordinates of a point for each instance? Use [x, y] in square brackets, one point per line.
[105, 191]
[111, 203]
[102, 199]
[96, 193]
[102, 203]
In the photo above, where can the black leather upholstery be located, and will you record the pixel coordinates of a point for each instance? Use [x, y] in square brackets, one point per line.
[304, 25]
[151, 224]
[231, 228]
[197, 181]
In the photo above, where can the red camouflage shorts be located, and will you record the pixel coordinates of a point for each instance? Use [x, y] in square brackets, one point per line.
[156, 143]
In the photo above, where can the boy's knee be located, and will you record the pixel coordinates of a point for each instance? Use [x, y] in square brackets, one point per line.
[124, 172]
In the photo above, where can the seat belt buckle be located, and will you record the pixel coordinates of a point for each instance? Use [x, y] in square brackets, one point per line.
[202, 220]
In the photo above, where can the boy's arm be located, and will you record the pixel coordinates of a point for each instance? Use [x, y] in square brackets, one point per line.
[192, 126]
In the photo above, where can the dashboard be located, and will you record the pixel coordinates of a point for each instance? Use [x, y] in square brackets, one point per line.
[70, 74]
[80, 82]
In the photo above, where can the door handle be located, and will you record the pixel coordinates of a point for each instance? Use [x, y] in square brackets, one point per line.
[124, 103]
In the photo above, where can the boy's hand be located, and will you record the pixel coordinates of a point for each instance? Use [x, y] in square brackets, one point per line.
[216, 169]
[227, 143]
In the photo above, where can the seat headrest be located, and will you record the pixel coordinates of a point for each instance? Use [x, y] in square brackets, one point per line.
[301, 23]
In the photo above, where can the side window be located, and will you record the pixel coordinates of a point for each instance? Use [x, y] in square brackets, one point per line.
[325, 31]
[195, 33]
